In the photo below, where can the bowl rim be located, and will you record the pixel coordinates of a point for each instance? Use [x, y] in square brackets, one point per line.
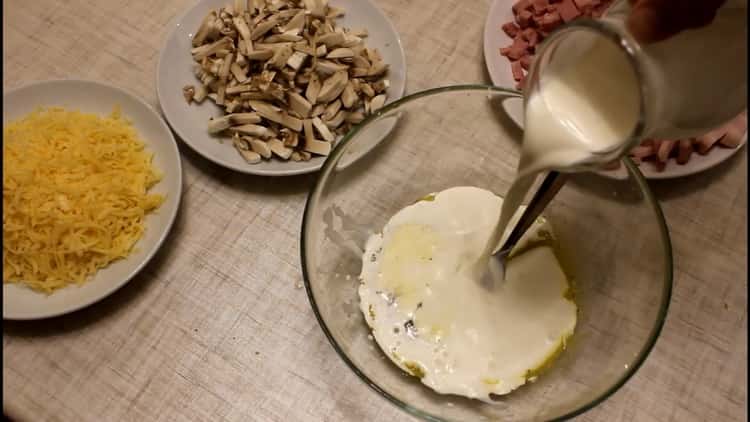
[632, 169]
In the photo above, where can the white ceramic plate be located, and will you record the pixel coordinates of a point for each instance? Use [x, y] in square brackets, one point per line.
[500, 73]
[190, 121]
[21, 303]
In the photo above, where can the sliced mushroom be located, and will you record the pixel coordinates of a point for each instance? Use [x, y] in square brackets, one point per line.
[377, 102]
[257, 131]
[381, 85]
[317, 147]
[188, 91]
[296, 60]
[259, 55]
[278, 148]
[331, 109]
[200, 93]
[322, 129]
[216, 125]
[331, 40]
[204, 29]
[258, 146]
[299, 104]
[333, 86]
[348, 96]
[336, 121]
[340, 53]
[263, 27]
[327, 67]
[354, 117]
[275, 114]
[313, 88]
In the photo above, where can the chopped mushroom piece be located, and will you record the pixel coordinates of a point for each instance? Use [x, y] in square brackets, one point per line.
[258, 146]
[322, 129]
[278, 148]
[188, 91]
[318, 147]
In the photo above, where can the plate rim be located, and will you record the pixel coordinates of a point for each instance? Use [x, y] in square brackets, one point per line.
[705, 162]
[172, 217]
[175, 23]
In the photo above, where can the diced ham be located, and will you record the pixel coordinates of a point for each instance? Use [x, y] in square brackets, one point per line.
[521, 5]
[600, 8]
[531, 36]
[568, 10]
[520, 84]
[642, 151]
[517, 50]
[550, 21]
[525, 18]
[526, 61]
[736, 129]
[539, 7]
[517, 70]
[684, 150]
[510, 29]
[584, 6]
[659, 166]
[665, 148]
[612, 165]
[705, 142]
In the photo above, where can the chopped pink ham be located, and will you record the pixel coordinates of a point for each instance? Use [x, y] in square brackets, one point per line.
[665, 148]
[526, 62]
[736, 129]
[510, 29]
[705, 142]
[568, 10]
[525, 18]
[684, 150]
[642, 151]
[585, 6]
[612, 165]
[550, 21]
[530, 35]
[517, 70]
[539, 6]
[521, 5]
[517, 50]
[520, 84]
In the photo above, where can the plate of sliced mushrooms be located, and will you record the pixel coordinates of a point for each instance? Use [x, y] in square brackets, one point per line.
[268, 87]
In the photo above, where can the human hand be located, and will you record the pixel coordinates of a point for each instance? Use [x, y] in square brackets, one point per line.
[656, 20]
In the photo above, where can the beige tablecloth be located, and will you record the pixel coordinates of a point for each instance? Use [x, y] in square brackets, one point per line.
[218, 327]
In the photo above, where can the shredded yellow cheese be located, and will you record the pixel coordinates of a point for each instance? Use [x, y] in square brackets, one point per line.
[75, 195]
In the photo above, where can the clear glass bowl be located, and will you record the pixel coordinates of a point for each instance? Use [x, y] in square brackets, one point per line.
[612, 232]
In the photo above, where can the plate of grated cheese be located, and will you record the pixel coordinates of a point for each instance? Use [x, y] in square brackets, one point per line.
[92, 180]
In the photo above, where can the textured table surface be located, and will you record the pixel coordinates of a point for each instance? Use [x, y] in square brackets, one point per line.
[218, 327]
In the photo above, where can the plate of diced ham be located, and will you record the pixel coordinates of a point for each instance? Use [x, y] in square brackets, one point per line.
[512, 32]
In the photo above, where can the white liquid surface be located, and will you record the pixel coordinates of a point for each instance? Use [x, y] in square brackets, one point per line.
[434, 319]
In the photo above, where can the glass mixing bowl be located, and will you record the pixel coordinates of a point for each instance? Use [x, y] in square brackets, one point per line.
[614, 242]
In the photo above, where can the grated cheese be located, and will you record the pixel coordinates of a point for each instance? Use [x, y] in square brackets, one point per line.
[75, 195]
